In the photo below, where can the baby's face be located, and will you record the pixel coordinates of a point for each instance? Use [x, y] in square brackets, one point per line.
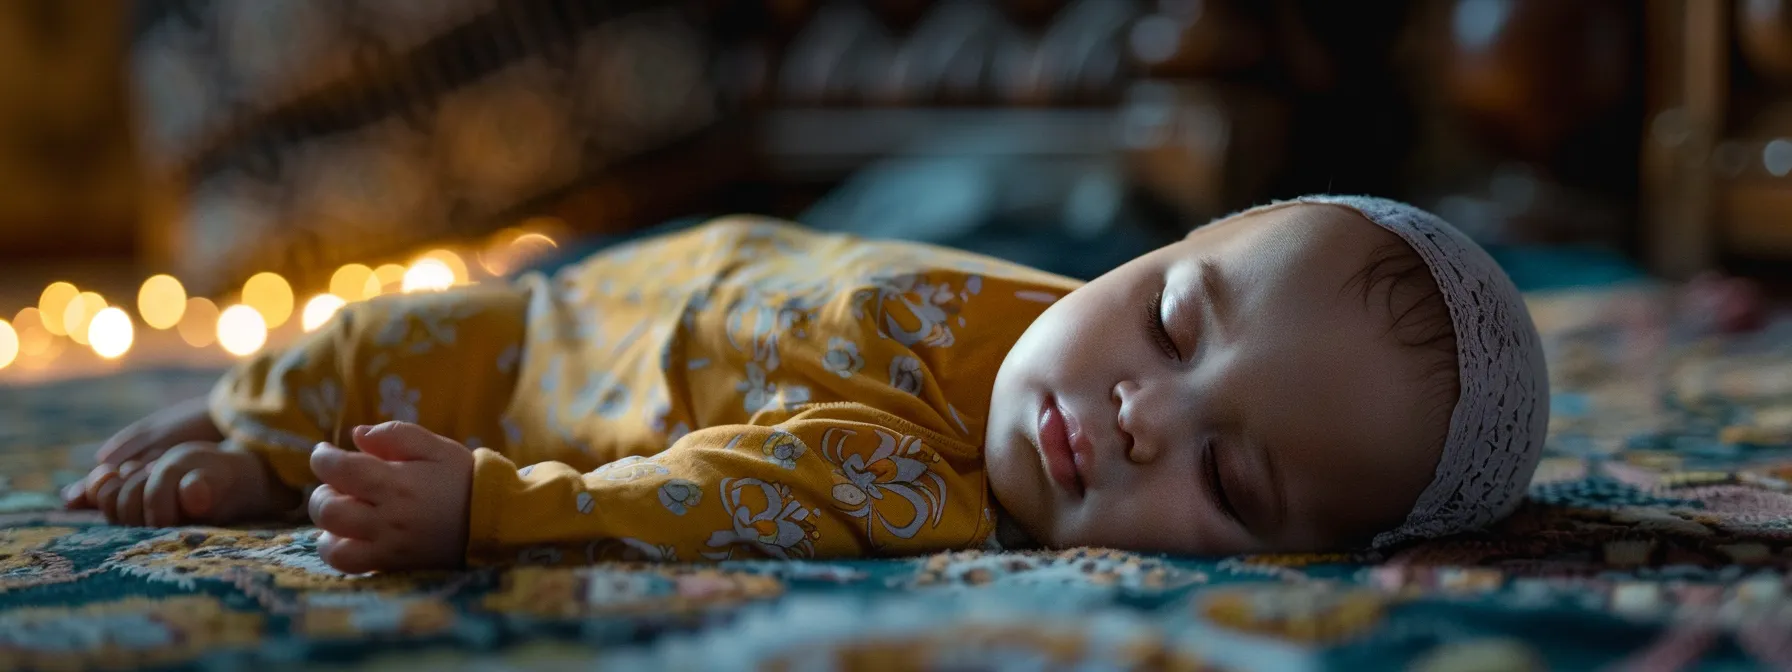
[1273, 412]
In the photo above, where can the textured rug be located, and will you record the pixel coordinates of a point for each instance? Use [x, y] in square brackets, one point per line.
[1659, 535]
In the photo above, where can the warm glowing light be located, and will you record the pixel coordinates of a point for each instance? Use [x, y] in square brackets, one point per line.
[350, 283]
[161, 302]
[80, 313]
[111, 333]
[319, 310]
[34, 339]
[533, 240]
[390, 275]
[199, 326]
[9, 344]
[514, 249]
[241, 330]
[543, 223]
[270, 295]
[51, 305]
[451, 260]
[428, 275]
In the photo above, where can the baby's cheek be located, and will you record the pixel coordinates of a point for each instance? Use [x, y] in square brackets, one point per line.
[1152, 519]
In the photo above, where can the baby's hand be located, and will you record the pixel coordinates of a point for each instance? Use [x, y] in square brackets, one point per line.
[194, 482]
[400, 503]
[143, 441]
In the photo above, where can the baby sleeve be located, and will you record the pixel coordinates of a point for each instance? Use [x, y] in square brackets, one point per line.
[832, 482]
[446, 361]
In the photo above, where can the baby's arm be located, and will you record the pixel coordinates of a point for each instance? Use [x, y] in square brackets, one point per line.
[828, 482]
[443, 361]
[437, 360]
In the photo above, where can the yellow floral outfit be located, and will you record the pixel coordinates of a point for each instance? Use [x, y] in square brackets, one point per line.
[747, 388]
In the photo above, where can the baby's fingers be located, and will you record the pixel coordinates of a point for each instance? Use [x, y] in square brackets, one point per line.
[349, 556]
[342, 515]
[74, 495]
[129, 510]
[102, 489]
[357, 474]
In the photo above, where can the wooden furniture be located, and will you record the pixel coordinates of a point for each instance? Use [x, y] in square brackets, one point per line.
[1717, 170]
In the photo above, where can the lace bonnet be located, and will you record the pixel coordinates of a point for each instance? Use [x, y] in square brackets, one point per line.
[1497, 428]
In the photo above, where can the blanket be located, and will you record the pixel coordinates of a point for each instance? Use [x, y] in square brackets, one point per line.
[1658, 533]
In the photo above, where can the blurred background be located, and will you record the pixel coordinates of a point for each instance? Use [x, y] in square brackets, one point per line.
[183, 180]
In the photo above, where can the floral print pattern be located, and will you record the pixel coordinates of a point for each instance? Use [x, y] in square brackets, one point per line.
[780, 527]
[783, 448]
[897, 469]
[679, 495]
[630, 468]
[842, 358]
[906, 374]
[744, 389]
[397, 401]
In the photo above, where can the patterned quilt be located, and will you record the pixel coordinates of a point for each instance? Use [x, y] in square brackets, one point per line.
[1658, 535]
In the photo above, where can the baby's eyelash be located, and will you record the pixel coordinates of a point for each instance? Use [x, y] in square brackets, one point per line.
[1210, 462]
[1154, 322]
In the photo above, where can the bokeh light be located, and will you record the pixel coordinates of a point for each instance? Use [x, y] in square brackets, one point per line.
[161, 302]
[242, 330]
[34, 339]
[9, 344]
[319, 310]
[270, 295]
[512, 249]
[390, 277]
[350, 282]
[52, 303]
[453, 261]
[533, 240]
[111, 333]
[428, 275]
[199, 326]
[79, 314]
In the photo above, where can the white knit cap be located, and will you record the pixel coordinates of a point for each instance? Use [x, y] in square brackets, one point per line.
[1500, 420]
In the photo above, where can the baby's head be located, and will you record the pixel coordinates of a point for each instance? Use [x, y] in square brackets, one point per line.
[1324, 373]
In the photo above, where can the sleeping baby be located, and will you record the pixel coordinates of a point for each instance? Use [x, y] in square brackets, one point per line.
[1323, 373]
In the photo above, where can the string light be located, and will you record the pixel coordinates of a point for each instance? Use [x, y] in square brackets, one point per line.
[161, 301]
[199, 326]
[110, 333]
[242, 330]
[350, 283]
[512, 248]
[452, 261]
[52, 303]
[389, 275]
[80, 313]
[428, 275]
[319, 310]
[9, 344]
[266, 303]
[493, 258]
[34, 339]
[533, 240]
[270, 295]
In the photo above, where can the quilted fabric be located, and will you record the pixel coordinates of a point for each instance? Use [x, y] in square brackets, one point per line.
[1658, 533]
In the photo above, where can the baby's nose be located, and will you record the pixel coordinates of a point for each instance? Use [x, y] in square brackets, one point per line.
[1126, 407]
